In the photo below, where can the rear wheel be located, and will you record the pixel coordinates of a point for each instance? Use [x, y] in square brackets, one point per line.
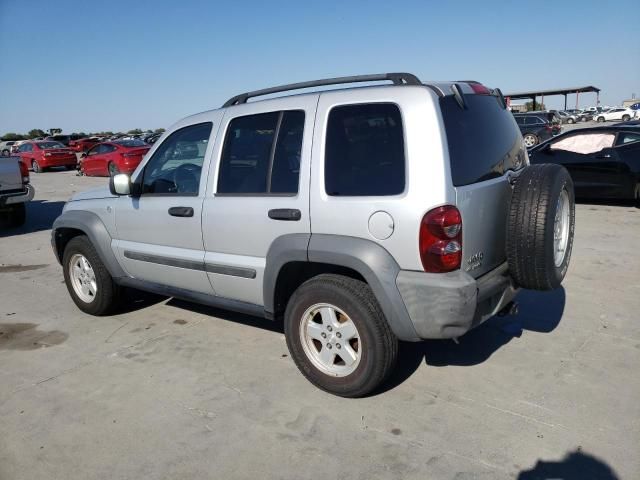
[540, 227]
[600, 119]
[5, 152]
[35, 166]
[626, 118]
[338, 336]
[18, 215]
[571, 121]
[113, 169]
[88, 281]
[530, 140]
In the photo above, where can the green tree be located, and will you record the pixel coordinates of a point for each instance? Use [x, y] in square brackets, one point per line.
[159, 130]
[529, 106]
[7, 137]
[135, 131]
[36, 132]
[54, 131]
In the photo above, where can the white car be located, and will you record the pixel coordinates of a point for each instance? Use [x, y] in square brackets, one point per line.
[624, 114]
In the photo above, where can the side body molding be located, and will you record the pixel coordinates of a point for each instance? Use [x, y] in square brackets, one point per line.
[92, 226]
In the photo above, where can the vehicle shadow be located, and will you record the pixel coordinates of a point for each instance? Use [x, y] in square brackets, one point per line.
[574, 466]
[275, 326]
[539, 312]
[606, 203]
[40, 216]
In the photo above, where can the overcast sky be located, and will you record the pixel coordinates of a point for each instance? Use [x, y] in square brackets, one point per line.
[91, 66]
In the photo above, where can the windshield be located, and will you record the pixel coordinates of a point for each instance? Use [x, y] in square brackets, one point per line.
[47, 145]
[131, 143]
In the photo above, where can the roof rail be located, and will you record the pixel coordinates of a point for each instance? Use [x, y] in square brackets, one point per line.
[396, 78]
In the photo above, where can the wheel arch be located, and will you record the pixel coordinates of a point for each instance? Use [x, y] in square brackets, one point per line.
[78, 222]
[293, 259]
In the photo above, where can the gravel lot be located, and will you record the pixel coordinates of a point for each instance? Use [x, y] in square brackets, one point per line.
[177, 391]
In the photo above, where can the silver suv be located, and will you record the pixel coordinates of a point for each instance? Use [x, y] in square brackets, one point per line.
[362, 216]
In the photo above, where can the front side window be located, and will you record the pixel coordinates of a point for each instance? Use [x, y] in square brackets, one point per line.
[261, 154]
[584, 144]
[175, 167]
[364, 152]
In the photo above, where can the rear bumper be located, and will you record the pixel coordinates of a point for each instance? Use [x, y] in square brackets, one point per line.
[47, 162]
[21, 197]
[447, 305]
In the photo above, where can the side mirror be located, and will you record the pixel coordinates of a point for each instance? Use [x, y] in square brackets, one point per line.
[120, 184]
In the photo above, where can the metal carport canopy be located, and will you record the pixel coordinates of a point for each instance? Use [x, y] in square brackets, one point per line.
[561, 91]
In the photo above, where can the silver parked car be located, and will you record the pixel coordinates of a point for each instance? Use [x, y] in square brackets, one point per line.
[361, 216]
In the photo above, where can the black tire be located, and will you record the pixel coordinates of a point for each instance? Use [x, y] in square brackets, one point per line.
[530, 227]
[378, 345]
[600, 119]
[571, 121]
[35, 166]
[18, 215]
[113, 170]
[626, 118]
[107, 297]
[5, 153]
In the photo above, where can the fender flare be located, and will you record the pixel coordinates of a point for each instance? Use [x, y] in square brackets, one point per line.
[372, 261]
[90, 224]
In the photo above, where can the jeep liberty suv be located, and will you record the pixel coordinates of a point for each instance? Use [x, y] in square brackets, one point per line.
[362, 216]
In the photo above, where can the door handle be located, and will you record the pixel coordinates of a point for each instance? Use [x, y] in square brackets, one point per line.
[604, 155]
[181, 212]
[286, 214]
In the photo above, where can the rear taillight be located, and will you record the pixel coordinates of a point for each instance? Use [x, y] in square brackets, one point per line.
[480, 89]
[24, 172]
[440, 240]
[549, 128]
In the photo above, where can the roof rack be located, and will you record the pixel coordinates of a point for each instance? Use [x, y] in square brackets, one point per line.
[396, 78]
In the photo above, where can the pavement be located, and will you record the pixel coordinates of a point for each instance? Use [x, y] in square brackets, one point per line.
[172, 390]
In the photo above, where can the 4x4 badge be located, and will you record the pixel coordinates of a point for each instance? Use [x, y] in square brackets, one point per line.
[474, 261]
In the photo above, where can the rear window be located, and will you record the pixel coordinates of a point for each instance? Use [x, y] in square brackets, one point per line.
[131, 143]
[483, 138]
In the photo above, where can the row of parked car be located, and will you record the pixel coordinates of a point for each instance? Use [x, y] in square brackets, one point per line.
[99, 156]
[539, 126]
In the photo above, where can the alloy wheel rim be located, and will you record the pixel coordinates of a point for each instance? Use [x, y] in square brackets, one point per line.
[83, 278]
[330, 340]
[561, 228]
[529, 140]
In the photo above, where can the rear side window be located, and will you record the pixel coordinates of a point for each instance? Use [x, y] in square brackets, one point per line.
[261, 154]
[483, 138]
[364, 153]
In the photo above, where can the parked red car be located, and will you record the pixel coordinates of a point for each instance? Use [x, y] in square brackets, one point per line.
[83, 144]
[45, 154]
[111, 158]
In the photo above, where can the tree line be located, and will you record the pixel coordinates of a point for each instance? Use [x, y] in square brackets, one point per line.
[36, 133]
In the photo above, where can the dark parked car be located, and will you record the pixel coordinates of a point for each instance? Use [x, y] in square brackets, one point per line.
[535, 128]
[604, 162]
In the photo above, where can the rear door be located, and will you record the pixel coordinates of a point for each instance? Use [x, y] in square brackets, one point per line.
[263, 156]
[91, 163]
[484, 145]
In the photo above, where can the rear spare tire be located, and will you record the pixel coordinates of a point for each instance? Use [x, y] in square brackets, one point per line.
[540, 227]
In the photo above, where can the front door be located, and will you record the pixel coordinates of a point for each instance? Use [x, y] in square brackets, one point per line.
[259, 192]
[160, 232]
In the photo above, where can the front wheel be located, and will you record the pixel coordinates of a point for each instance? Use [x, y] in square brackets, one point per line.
[571, 121]
[338, 336]
[626, 118]
[5, 153]
[600, 119]
[88, 281]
